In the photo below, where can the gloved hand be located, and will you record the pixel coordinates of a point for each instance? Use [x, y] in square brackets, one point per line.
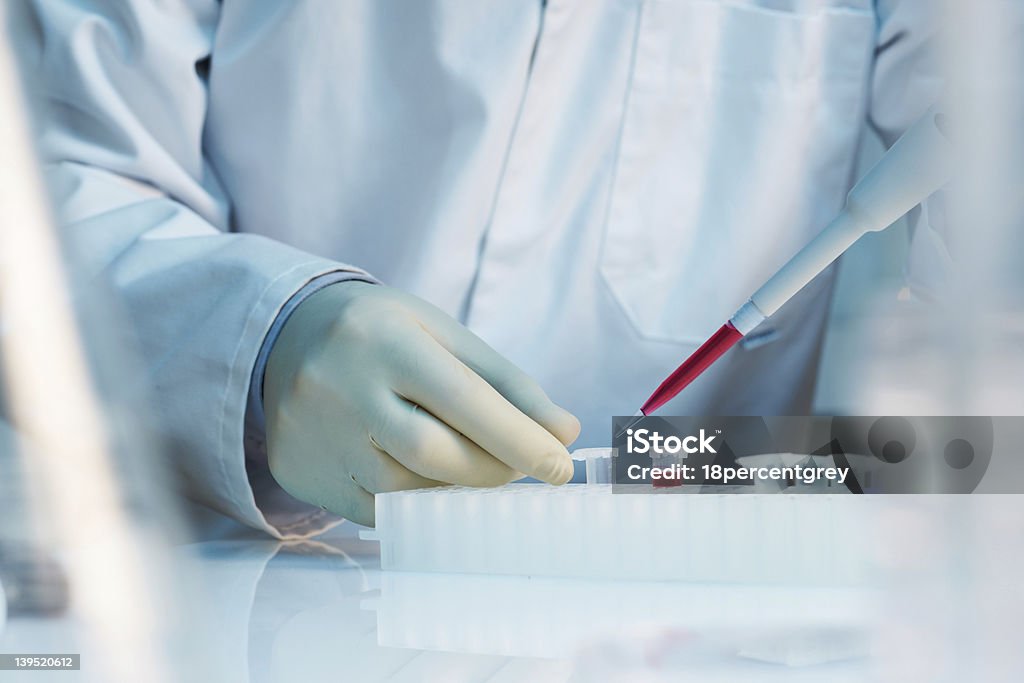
[368, 389]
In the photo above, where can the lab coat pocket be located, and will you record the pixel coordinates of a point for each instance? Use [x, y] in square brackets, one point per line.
[740, 132]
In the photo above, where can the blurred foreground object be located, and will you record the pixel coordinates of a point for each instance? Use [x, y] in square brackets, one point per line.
[33, 581]
[958, 351]
[952, 565]
[79, 488]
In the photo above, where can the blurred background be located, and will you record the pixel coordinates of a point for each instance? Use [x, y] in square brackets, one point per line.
[91, 524]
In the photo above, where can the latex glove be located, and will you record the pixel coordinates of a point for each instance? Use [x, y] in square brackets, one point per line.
[369, 389]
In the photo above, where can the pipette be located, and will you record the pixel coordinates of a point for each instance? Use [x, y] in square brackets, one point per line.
[915, 167]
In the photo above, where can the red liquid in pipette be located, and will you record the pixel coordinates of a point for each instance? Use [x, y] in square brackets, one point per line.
[692, 367]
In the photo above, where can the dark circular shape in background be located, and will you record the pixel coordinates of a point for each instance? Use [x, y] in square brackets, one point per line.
[892, 439]
[893, 451]
[959, 454]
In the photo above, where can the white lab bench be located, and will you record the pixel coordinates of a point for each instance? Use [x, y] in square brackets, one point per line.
[324, 611]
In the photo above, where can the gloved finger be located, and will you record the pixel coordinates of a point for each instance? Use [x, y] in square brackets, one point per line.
[351, 501]
[515, 385]
[336, 492]
[427, 446]
[427, 374]
[378, 472]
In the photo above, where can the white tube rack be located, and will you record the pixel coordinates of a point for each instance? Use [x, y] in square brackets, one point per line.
[585, 531]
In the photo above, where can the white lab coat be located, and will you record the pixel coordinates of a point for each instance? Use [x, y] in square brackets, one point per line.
[593, 186]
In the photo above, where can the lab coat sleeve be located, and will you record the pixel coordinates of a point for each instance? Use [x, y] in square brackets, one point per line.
[123, 86]
[907, 80]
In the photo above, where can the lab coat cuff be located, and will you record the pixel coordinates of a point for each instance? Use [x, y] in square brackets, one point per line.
[278, 513]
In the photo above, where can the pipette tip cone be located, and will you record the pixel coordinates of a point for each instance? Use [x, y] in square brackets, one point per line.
[637, 416]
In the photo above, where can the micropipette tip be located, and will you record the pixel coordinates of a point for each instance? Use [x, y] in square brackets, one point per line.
[699, 361]
[637, 416]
